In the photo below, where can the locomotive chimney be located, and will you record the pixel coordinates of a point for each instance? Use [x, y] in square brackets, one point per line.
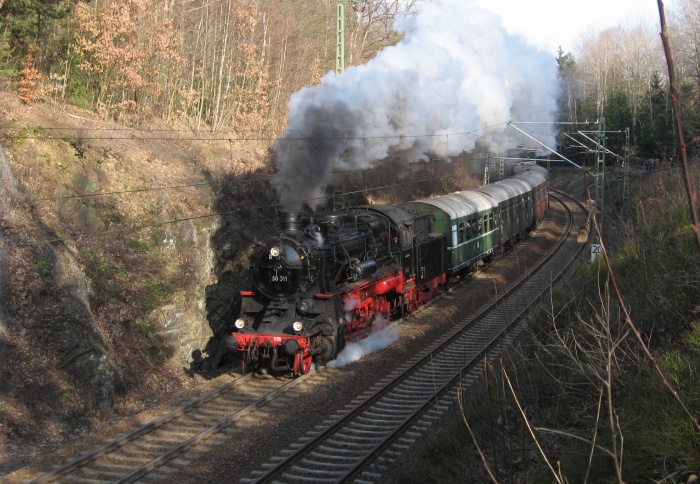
[290, 221]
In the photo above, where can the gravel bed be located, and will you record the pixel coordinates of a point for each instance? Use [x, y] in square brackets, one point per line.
[248, 449]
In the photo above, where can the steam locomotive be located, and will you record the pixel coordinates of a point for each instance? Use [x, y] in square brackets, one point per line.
[328, 278]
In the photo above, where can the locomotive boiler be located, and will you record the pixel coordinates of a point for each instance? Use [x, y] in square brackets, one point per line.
[332, 277]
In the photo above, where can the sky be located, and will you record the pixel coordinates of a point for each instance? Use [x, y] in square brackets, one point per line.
[549, 24]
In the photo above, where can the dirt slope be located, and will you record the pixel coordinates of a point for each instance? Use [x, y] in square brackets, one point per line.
[120, 253]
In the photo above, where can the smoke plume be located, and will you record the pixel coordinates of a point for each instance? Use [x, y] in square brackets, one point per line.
[456, 76]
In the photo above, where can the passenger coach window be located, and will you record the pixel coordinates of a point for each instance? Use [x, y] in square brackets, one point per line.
[464, 232]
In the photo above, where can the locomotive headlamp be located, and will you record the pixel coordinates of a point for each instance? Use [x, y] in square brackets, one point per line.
[298, 326]
[240, 323]
[275, 251]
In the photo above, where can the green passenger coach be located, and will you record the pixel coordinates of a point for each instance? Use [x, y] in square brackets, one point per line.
[479, 223]
[470, 220]
[514, 206]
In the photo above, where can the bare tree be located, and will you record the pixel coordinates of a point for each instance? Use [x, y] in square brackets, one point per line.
[596, 67]
[640, 58]
[620, 62]
[685, 38]
[372, 27]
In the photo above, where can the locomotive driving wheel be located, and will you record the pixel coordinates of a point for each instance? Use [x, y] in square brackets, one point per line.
[303, 364]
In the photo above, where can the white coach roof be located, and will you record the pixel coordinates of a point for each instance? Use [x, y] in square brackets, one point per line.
[458, 204]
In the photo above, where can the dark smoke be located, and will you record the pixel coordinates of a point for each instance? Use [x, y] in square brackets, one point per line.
[456, 76]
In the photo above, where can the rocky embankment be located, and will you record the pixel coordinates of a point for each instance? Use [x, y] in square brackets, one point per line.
[122, 251]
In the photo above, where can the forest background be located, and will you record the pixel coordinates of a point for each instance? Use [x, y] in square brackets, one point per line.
[183, 75]
[231, 66]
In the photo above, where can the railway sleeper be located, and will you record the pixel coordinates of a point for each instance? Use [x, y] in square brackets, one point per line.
[332, 457]
[316, 472]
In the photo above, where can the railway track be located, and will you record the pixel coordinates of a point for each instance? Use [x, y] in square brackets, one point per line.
[145, 449]
[354, 444]
[348, 444]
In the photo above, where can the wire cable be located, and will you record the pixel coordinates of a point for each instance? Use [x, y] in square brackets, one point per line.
[221, 214]
[99, 194]
[231, 139]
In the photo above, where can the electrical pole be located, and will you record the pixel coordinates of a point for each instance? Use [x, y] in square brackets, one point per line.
[340, 39]
[626, 168]
[338, 192]
[340, 34]
[600, 175]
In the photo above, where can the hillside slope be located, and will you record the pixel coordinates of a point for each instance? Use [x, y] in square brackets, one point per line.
[119, 253]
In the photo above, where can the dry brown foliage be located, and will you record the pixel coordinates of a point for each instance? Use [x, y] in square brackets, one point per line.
[28, 89]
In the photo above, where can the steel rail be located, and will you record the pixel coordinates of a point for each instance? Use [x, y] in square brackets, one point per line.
[361, 466]
[137, 471]
[281, 468]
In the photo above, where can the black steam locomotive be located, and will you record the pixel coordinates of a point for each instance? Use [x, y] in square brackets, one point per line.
[328, 278]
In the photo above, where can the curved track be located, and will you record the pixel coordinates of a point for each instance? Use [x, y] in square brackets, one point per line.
[132, 456]
[347, 445]
[351, 444]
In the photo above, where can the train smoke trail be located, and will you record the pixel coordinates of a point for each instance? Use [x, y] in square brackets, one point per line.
[457, 70]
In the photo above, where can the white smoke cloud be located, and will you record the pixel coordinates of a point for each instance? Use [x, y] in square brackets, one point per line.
[376, 341]
[457, 70]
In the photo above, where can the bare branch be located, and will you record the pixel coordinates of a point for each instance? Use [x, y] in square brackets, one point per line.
[529, 427]
[473, 437]
[687, 178]
[637, 333]
[575, 437]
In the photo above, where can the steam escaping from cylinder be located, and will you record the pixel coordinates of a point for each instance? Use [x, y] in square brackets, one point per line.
[379, 339]
[456, 77]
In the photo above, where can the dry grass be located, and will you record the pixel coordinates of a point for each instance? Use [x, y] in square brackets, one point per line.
[95, 284]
